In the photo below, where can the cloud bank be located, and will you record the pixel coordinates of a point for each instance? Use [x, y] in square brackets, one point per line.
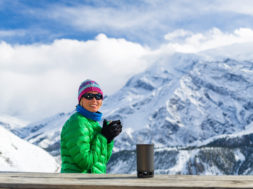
[42, 79]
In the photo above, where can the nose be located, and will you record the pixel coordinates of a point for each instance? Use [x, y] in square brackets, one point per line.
[93, 99]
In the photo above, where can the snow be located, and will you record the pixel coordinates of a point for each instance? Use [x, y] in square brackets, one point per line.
[19, 155]
[239, 156]
[183, 157]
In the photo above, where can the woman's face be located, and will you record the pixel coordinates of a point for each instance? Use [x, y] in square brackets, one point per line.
[92, 105]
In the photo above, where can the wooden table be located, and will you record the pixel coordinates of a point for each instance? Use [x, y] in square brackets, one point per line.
[106, 181]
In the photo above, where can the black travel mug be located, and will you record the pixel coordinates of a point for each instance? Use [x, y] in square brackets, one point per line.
[145, 160]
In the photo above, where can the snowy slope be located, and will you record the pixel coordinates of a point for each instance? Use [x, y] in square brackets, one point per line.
[19, 155]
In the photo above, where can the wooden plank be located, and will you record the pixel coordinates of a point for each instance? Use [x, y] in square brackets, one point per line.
[93, 181]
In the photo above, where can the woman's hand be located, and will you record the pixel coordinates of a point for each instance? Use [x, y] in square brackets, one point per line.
[111, 129]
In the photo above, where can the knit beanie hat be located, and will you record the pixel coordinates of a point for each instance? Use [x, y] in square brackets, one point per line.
[87, 86]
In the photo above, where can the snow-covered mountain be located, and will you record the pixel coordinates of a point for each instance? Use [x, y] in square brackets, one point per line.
[45, 133]
[184, 99]
[19, 155]
[196, 109]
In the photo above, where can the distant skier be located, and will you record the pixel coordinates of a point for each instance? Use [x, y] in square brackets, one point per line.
[85, 146]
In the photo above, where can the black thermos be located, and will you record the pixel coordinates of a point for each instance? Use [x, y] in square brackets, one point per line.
[145, 160]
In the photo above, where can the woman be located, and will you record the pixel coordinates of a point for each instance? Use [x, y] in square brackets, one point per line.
[85, 146]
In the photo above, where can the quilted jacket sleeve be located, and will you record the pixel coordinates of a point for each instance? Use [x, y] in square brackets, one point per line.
[87, 153]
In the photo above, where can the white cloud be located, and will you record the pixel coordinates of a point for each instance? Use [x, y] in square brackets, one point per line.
[10, 33]
[177, 34]
[190, 42]
[237, 6]
[42, 79]
[92, 18]
[125, 17]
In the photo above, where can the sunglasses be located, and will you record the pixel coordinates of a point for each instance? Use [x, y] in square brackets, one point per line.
[90, 96]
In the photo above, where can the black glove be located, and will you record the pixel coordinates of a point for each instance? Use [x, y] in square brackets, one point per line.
[116, 128]
[111, 129]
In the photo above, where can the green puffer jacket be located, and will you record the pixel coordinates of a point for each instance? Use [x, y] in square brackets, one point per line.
[83, 148]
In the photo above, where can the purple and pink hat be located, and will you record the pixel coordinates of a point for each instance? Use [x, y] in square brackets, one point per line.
[87, 86]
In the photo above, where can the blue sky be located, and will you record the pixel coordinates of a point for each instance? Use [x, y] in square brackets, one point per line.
[47, 48]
